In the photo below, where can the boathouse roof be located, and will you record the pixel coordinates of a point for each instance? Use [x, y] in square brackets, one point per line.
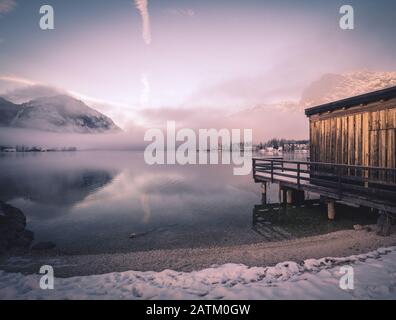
[363, 99]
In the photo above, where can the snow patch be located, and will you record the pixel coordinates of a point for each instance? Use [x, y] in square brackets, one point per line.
[375, 278]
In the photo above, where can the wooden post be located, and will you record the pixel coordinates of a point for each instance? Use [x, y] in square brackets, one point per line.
[294, 196]
[272, 171]
[289, 196]
[299, 196]
[331, 209]
[298, 174]
[284, 196]
[264, 193]
[339, 171]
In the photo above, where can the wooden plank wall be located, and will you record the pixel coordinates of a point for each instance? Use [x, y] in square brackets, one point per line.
[359, 138]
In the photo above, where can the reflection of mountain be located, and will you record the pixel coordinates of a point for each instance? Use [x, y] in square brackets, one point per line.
[57, 114]
[57, 188]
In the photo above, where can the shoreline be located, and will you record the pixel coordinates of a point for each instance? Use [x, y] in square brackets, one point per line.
[336, 244]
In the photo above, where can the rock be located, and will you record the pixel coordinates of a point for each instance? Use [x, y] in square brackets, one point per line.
[136, 235]
[384, 225]
[13, 234]
[13, 215]
[43, 246]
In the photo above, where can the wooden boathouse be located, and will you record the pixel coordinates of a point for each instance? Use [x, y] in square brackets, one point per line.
[352, 155]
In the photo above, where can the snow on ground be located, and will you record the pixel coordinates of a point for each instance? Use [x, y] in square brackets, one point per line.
[374, 278]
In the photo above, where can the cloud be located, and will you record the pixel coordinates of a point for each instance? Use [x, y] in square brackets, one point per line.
[6, 6]
[142, 6]
[20, 90]
[18, 80]
[181, 12]
[11, 83]
[263, 119]
[145, 95]
[28, 93]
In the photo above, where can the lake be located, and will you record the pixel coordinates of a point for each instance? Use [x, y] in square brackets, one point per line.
[111, 201]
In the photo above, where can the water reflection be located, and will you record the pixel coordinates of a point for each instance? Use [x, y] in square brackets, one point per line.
[284, 222]
[50, 180]
[98, 202]
[92, 202]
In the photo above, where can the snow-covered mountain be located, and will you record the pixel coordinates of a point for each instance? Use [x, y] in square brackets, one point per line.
[60, 113]
[8, 111]
[287, 118]
[333, 87]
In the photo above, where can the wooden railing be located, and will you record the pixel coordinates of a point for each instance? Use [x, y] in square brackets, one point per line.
[372, 181]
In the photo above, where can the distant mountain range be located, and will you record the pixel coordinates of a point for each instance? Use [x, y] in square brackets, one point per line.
[333, 87]
[61, 113]
[25, 108]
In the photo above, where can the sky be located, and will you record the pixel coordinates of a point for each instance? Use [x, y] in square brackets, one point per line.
[159, 54]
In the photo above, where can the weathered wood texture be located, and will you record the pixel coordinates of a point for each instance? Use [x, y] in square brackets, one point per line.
[362, 135]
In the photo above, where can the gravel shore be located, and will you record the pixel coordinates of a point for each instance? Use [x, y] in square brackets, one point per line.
[336, 244]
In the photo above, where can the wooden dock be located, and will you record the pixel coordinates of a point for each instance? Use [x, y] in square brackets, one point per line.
[372, 187]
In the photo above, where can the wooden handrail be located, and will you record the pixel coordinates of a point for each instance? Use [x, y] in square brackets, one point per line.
[338, 179]
[347, 166]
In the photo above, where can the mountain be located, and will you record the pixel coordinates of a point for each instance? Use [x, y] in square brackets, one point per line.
[287, 119]
[333, 87]
[60, 113]
[8, 111]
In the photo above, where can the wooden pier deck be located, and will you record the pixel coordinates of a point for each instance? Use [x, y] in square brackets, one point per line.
[373, 187]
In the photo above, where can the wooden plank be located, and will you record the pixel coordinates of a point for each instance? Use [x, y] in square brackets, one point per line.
[322, 154]
[365, 143]
[382, 120]
[390, 156]
[351, 143]
[334, 140]
[390, 118]
[323, 143]
[394, 118]
[339, 141]
[382, 154]
[365, 138]
[373, 152]
[358, 139]
[318, 140]
[375, 121]
[345, 140]
[311, 139]
[328, 141]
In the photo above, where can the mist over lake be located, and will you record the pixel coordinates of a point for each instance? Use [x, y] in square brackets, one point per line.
[102, 202]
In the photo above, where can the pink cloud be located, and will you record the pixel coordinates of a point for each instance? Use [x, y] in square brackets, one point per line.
[6, 6]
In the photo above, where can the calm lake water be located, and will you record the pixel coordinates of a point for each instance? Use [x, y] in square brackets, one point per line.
[92, 202]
